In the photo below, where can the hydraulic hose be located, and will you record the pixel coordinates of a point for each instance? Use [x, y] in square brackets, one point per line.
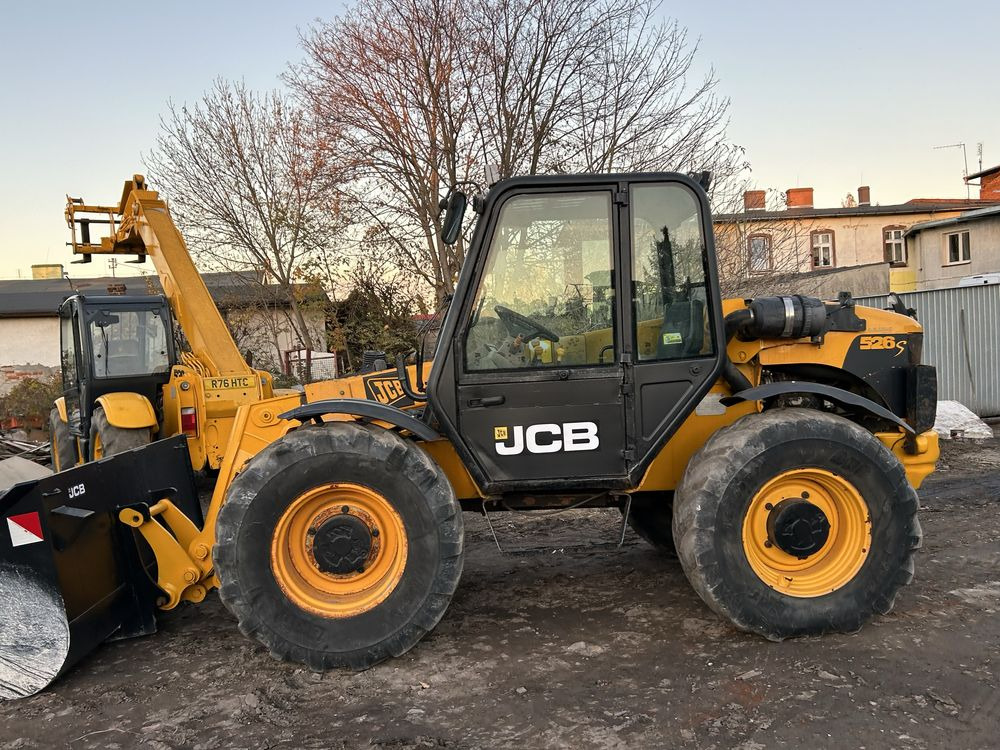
[734, 321]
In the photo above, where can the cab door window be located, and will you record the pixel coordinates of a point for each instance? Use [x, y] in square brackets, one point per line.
[545, 298]
[69, 372]
[669, 293]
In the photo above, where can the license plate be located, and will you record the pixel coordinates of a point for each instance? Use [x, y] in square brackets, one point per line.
[219, 384]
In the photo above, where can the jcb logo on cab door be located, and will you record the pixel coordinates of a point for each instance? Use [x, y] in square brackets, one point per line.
[883, 342]
[546, 438]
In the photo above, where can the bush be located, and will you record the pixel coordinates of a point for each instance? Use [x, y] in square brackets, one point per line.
[30, 401]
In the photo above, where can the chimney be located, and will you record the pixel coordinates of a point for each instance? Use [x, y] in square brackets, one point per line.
[799, 197]
[864, 196]
[47, 271]
[989, 186]
[753, 200]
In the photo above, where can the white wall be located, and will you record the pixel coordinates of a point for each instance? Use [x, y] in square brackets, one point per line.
[929, 247]
[269, 333]
[29, 341]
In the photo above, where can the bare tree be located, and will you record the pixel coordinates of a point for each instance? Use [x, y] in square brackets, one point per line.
[248, 181]
[425, 93]
[756, 249]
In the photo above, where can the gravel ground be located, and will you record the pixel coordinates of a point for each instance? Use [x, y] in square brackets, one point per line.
[567, 641]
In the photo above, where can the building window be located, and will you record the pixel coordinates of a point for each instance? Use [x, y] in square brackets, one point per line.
[958, 248]
[822, 249]
[759, 252]
[894, 245]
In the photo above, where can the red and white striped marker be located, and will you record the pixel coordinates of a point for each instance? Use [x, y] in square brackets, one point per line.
[25, 528]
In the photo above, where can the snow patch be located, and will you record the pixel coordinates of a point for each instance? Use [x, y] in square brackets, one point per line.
[987, 594]
[954, 420]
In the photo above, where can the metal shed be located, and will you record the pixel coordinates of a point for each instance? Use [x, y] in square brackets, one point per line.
[961, 339]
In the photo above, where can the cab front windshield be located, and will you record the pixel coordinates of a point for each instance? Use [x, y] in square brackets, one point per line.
[128, 342]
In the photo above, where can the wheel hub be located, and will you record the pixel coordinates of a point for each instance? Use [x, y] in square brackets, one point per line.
[342, 544]
[798, 527]
[339, 549]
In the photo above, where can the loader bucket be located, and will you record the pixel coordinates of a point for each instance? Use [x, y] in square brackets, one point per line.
[71, 575]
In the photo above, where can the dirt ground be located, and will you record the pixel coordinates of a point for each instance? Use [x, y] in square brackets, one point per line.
[567, 641]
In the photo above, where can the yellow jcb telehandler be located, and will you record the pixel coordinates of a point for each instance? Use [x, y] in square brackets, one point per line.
[123, 382]
[586, 360]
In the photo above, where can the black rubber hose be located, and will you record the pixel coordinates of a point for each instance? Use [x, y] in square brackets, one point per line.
[404, 378]
[737, 380]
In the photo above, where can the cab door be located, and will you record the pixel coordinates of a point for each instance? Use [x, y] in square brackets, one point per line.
[538, 366]
[673, 318]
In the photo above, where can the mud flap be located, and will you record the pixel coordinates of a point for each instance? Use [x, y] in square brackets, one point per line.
[71, 575]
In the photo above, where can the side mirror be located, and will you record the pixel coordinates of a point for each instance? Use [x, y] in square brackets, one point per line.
[454, 206]
[897, 306]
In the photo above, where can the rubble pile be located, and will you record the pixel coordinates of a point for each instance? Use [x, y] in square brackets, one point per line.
[12, 445]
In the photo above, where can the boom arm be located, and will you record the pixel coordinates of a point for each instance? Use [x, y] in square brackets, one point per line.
[141, 225]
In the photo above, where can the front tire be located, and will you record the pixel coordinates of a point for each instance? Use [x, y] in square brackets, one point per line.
[339, 546]
[107, 440]
[796, 522]
[62, 445]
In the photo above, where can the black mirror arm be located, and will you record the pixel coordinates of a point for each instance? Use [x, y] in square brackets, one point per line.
[404, 378]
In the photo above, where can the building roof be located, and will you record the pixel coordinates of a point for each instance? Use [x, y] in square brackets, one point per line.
[20, 298]
[963, 218]
[983, 173]
[915, 206]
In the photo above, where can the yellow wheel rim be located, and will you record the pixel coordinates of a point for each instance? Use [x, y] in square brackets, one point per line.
[839, 557]
[317, 539]
[98, 447]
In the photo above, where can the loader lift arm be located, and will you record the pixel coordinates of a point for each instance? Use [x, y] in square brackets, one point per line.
[141, 225]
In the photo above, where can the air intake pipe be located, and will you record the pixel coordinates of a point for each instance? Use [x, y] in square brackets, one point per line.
[793, 317]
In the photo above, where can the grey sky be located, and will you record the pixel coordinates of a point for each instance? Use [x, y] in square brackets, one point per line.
[829, 95]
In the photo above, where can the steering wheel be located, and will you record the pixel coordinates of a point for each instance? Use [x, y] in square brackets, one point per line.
[516, 322]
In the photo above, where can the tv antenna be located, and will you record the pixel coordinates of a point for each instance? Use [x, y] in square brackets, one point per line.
[965, 158]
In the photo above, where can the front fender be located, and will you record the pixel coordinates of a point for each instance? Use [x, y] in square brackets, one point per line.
[357, 407]
[129, 411]
[839, 395]
[61, 408]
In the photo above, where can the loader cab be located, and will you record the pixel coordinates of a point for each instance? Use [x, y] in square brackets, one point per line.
[586, 326]
[111, 344]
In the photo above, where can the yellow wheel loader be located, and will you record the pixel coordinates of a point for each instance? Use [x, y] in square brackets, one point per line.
[586, 360]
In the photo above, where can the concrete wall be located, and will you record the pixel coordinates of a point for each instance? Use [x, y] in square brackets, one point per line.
[265, 332]
[28, 341]
[928, 253]
[860, 281]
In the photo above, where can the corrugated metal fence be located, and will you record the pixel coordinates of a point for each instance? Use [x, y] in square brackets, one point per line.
[961, 339]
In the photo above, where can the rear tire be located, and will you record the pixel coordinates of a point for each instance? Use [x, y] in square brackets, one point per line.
[275, 577]
[854, 571]
[653, 521]
[107, 440]
[62, 445]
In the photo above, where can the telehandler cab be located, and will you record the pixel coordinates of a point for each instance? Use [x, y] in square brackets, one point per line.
[586, 360]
